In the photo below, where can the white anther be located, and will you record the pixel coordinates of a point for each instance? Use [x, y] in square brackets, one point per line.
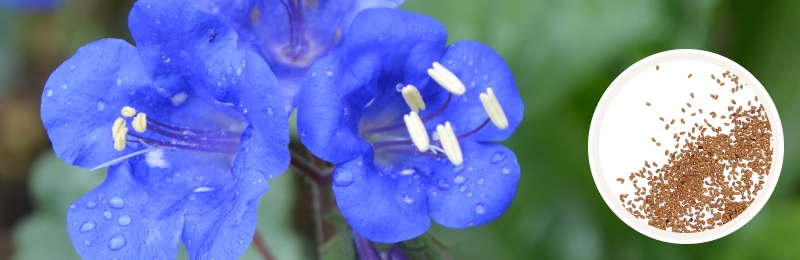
[118, 125]
[140, 122]
[419, 136]
[493, 108]
[450, 143]
[128, 111]
[119, 139]
[447, 79]
[413, 98]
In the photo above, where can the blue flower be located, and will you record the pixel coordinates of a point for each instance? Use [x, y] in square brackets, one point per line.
[291, 34]
[408, 146]
[192, 130]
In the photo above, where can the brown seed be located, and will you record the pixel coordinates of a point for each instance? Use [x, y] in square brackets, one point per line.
[621, 181]
[666, 127]
[647, 103]
[690, 75]
[662, 119]
[756, 98]
[682, 121]
[712, 76]
[673, 121]
[653, 138]
[688, 104]
[733, 101]
[693, 114]
[683, 110]
[658, 144]
[700, 110]
[656, 67]
[691, 94]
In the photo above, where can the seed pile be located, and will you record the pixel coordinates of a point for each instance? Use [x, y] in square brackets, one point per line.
[709, 179]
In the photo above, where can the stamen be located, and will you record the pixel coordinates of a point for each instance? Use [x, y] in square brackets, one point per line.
[492, 107]
[447, 79]
[128, 111]
[419, 136]
[450, 143]
[413, 98]
[118, 125]
[140, 122]
[119, 139]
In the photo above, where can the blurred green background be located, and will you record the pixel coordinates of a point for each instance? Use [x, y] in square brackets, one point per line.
[564, 54]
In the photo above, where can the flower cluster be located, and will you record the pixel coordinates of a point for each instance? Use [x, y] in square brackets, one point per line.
[192, 122]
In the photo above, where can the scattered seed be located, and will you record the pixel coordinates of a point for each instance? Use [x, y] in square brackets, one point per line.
[647, 103]
[690, 75]
[691, 94]
[656, 67]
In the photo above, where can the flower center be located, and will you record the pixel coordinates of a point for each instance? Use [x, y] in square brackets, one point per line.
[445, 141]
[298, 46]
[156, 135]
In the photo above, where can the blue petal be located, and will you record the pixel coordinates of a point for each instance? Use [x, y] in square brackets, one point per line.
[120, 219]
[330, 105]
[84, 95]
[253, 90]
[173, 35]
[388, 46]
[479, 67]
[476, 192]
[383, 205]
[155, 200]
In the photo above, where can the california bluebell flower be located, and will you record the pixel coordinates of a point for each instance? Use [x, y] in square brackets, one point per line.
[192, 130]
[291, 34]
[410, 126]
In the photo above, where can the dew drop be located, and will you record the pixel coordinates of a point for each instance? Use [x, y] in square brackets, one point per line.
[344, 111]
[64, 86]
[407, 198]
[313, 74]
[230, 69]
[450, 61]
[101, 105]
[87, 226]
[472, 83]
[459, 168]
[480, 181]
[86, 242]
[239, 71]
[434, 193]
[470, 169]
[506, 169]
[480, 209]
[124, 220]
[119, 81]
[91, 204]
[165, 58]
[343, 178]
[485, 76]
[483, 194]
[462, 188]
[329, 73]
[499, 156]
[72, 206]
[423, 185]
[116, 202]
[399, 87]
[107, 214]
[470, 63]
[459, 179]
[72, 67]
[469, 194]
[270, 112]
[381, 37]
[116, 242]
[442, 184]
[158, 21]
[49, 92]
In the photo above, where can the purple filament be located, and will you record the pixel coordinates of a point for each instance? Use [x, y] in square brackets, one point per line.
[402, 125]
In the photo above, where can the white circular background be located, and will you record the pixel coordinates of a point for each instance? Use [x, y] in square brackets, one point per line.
[622, 127]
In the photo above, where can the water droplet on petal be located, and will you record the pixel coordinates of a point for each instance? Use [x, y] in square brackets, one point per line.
[450, 61]
[462, 188]
[459, 179]
[343, 178]
[399, 87]
[158, 21]
[124, 220]
[101, 105]
[49, 92]
[72, 206]
[87, 226]
[499, 156]
[64, 86]
[480, 209]
[86, 242]
[313, 74]
[116, 242]
[442, 184]
[72, 67]
[480, 181]
[459, 168]
[506, 169]
[469, 194]
[91, 204]
[116, 202]
[381, 37]
[270, 112]
[107, 214]
[119, 81]
[407, 198]
[239, 71]
[329, 73]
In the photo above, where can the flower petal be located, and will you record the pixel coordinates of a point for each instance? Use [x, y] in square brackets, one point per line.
[388, 46]
[382, 205]
[84, 95]
[330, 104]
[174, 35]
[479, 67]
[476, 192]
